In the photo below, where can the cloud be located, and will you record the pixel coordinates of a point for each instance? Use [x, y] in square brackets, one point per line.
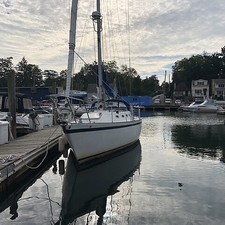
[6, 3]
[160, 32]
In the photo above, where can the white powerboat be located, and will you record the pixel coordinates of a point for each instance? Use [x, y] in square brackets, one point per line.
[27, 119]
[208, 106]
[110, 125]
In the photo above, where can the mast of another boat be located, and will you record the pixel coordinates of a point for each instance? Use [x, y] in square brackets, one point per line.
[72, 38]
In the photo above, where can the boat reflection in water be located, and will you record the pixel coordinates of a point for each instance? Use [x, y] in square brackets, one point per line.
[86, 189]
[206, 141]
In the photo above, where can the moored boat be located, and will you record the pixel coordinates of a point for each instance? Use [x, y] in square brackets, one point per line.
[208, 106]
[110, 124]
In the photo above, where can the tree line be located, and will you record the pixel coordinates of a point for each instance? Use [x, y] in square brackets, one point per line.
[127, 80]
[201, 66]
[205, 66]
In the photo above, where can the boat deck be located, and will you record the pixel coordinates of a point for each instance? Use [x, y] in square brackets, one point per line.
[26, 152]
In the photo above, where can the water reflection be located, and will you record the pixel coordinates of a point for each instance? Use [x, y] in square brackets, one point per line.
[86, 189]
[12, 194]
[200, 140]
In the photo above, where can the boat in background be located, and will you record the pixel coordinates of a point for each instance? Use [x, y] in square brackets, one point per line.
[85, 189]
[23, 108]
[208, 106]
[110, 124]
[27, 119]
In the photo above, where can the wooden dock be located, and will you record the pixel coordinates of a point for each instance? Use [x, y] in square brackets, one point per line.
[27, 153]
[162, 107]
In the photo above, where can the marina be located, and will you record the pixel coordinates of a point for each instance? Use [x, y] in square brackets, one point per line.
[175, 175]
[110, 144]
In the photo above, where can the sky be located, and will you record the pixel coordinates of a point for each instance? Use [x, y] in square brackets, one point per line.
[148, 35]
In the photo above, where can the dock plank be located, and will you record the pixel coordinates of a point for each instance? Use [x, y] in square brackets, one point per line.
[24, 154]
[28, 145]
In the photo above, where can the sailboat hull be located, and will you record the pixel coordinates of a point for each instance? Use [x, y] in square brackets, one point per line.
[93, 140]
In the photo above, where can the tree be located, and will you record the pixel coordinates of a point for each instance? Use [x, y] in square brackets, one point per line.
[204, 66]
[28, 75]
[136, 87]
[149, 85]
[51, 77]
[6, 67]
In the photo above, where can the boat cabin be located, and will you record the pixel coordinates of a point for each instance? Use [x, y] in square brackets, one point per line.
[23, 103]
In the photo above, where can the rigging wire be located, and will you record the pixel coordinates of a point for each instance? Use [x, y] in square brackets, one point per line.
[128, 33]
[115, 39]
[84, 31]
[85, 63]
[128, 30]
[109, 46]
[114, 35]
[122, 39]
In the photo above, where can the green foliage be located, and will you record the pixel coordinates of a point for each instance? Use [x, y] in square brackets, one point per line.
[149, 85]
[51, 78]
[6, 67]
[28, 75]
[127, 80]
[204, 66]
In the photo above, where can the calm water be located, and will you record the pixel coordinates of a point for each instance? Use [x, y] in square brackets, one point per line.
[175, 175]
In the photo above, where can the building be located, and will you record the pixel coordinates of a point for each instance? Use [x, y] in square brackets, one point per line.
[181, 91]
[200, 89]
[218, 89]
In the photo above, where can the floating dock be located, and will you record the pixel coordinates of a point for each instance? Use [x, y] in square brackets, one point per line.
[27, 153]
[162, 107]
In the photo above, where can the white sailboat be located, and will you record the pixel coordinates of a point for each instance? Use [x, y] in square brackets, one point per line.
[111, 124]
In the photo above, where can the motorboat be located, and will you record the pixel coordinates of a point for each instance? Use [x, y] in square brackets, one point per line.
[186, 108]
[208, 106]
[23, 108]
[27, 119]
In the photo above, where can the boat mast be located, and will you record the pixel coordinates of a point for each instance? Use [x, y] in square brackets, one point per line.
[72, 36]
[97, 18]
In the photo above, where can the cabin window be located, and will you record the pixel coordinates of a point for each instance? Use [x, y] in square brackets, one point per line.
[6, 104]
[27, 104]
